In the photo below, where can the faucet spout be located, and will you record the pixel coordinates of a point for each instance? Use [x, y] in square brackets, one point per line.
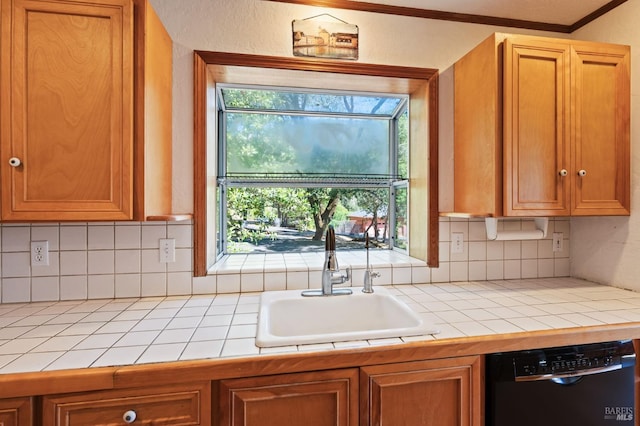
[369, 275]
[330, 270]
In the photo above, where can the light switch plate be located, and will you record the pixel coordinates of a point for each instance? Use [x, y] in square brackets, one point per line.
[557, 241]
[167, 250]
[457, 242]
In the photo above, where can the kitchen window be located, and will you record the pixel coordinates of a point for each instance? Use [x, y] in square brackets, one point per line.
[419, 86]
[292, 161]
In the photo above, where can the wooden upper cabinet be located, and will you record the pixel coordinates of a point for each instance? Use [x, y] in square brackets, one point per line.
[69, 117]
[536, 130]
[74, 78]
[152, 115]
[601, 107]
[542, 128]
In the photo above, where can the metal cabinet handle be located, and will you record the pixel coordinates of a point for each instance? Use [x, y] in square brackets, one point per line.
[14, 161]
[129, 416]
[582, 173]
[563, 172]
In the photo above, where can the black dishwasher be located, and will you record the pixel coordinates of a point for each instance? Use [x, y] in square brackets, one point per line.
[582, 385]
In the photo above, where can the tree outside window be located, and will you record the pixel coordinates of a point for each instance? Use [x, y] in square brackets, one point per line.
[291, 162]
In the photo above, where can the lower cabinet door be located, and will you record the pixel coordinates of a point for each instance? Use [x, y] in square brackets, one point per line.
[16, 412]
[323, 398]
[443, 392]
[164, 405]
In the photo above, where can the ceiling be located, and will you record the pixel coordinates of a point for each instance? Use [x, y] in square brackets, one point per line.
[547, 15]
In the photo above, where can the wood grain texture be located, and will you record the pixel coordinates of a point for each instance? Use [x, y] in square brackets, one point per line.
[153, 110]
[555, 107]
[478, 130]
[536, 127]
[17, 412]
[322, 398]
[75, 67]
[433, 255]
[201, 262]
[601, 139]
[49, 382]
[444, 392]
[454, 16]
[164, 405]
[419, 184]
[71, 111]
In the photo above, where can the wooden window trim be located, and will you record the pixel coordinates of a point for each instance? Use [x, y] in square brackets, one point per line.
[209, 66]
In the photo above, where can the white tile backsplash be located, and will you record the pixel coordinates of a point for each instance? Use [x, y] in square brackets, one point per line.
[182, 233]
[100, 262]
[16, 238]
[16, 264]
[151, 234]
[121, 260]
[154, 285]
[45, 288]
[127, 261]
[128, 237]
[101, 237]
[73, 262]
[72, 237]
[128, 285]
[101, 286]
[72, 287]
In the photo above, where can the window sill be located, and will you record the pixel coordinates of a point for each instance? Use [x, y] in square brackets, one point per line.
[288, 271]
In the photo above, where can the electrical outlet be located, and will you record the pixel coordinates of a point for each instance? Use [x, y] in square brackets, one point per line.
[557, 241]
[457, 242]
[167, 250]
[39, 253]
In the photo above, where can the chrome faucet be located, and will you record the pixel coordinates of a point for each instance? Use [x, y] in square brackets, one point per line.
[369, 275]
[330, 270]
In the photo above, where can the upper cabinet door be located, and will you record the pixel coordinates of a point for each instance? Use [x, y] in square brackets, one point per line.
[536, 127]
[67, 126]
[549, 136]
[600, 76]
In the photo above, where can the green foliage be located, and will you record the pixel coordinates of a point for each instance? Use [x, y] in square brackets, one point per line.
[281, 142]
[340, 215]
[403, 145]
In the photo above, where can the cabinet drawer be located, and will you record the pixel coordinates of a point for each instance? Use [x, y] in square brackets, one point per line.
[167, 405]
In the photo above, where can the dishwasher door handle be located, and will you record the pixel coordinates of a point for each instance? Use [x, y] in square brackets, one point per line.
[569, 374]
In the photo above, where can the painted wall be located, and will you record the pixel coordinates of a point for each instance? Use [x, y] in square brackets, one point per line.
[608, 249]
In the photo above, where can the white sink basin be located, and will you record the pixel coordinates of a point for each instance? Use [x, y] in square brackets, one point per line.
[287, 318]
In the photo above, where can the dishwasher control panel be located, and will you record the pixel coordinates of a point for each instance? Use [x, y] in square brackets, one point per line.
[572, 360]
[563, 364]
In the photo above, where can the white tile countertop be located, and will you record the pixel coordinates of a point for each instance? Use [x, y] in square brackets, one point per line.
[78, 334]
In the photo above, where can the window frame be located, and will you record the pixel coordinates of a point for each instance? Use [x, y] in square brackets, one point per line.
[388, 181]
[210, 67]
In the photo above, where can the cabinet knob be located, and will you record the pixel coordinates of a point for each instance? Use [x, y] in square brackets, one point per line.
[563, 172]
[582, 172]
[14, 161]
[129, 416]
